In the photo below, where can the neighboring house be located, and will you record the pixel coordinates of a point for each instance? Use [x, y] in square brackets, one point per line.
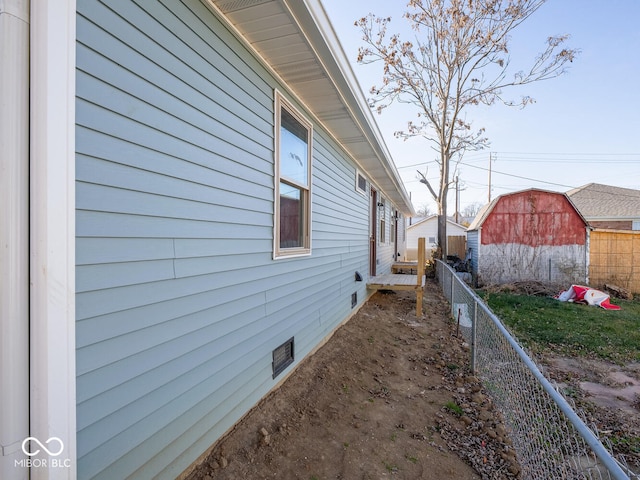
[206, 180]
[614, 214]
[428, 228]
[605, 206]
[529, 235]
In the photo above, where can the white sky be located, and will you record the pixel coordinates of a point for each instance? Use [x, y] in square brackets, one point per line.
[583, 128]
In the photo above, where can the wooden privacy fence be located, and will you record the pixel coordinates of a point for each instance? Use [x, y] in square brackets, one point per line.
[614, 257]
[457, 245]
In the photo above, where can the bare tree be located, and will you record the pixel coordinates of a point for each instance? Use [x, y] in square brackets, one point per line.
[458, 58]
[424, 210]
[472, 209]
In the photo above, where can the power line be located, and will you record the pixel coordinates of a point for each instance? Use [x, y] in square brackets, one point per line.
[571, 160]
[574, 154]
[520, 176]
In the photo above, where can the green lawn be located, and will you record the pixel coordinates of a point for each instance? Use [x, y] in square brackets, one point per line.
[545, 324]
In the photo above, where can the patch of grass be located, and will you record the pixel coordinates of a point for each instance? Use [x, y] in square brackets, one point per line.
[390, 467]
[411, 458]
[394, 437]
[571, 329]
[454, 408]
[626, 444]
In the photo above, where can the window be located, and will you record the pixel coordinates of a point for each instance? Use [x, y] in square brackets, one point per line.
[394, 222]
[293, 182]
[382, 210]
[361, 183]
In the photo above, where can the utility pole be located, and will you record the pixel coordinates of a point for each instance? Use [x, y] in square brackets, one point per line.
[491, 157]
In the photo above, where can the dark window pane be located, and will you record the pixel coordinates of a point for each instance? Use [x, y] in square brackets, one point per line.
[291, 216]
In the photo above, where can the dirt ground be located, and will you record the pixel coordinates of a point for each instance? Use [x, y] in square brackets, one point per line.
[388, 395]
[608, 398]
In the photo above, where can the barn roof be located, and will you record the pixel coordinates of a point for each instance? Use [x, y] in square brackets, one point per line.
[596, 200]
[486, 210]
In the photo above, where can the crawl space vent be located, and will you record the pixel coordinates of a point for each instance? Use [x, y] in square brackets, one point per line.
[282, 357]
[354, 299]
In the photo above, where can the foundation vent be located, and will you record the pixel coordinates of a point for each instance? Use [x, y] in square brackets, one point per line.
[354, 299]
[282, 357]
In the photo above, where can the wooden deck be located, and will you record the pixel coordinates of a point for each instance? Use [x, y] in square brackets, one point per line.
[396, 281]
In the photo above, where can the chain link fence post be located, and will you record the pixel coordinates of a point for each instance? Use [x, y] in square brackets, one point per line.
[550, 439]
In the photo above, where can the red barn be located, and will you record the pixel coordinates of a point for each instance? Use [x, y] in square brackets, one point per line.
[529, 235]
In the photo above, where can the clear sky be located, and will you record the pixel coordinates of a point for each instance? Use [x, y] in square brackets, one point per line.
[583, 128]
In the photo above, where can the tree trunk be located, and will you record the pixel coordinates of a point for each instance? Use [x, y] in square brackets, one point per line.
[442, 226]
[442, 204]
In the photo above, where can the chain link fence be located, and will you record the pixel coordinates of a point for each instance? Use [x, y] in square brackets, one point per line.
[550, 439]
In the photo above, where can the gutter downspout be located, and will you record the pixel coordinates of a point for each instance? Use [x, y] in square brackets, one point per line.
[52, 236]
[14, 236]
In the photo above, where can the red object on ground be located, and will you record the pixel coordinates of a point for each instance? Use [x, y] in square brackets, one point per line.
[590, 296]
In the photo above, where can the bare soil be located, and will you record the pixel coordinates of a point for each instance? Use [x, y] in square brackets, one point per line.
[608, 398]
[605, 395]
[390, 394]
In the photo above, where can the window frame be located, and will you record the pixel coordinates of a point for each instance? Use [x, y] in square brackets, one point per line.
[382, 222]
[393, 224]
[360, 175]
[280, 104]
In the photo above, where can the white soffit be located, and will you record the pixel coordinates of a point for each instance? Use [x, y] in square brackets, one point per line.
[296, 39]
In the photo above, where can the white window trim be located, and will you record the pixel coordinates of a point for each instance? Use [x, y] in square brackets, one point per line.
[382, 217]
[392, 230]
[278, 253]
[52, 145]
[358, 189]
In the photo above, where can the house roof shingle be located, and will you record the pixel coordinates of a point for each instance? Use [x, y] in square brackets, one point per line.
[596, 200]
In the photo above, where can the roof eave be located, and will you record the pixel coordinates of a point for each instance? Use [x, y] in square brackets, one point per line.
[325, 84]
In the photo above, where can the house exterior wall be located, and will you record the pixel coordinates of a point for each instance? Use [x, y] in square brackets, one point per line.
[386, 252]
[428, 229]
[402, 237]
[179, 302]
[531, 235]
